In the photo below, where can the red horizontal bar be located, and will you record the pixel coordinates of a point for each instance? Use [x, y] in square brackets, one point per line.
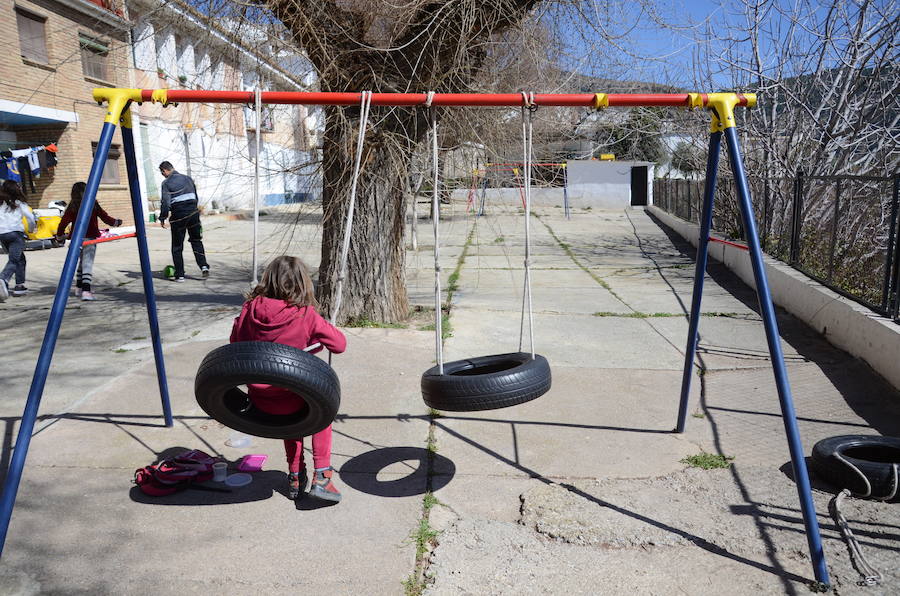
[108, 239]
[418, 99]
[728, 242]
[519, 163]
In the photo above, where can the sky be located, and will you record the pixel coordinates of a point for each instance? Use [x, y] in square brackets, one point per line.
[645, 50]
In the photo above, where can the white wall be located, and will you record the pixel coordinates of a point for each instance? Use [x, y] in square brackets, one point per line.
[843, 322]
[603, 184]
[144, 46]
[223, 170]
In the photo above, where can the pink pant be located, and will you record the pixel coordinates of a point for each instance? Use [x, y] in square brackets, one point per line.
[321, 448]
[276, 400]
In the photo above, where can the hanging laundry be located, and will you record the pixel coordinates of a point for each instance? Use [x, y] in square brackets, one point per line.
[24, 171]
[33, 163]
[50, 155]
[11, 168]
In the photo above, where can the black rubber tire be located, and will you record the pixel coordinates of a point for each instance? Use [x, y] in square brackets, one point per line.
[223, 370]
[486, 382]
[876, 457]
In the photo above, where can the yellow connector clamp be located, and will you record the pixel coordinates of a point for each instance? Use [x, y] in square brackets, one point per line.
[722, 107]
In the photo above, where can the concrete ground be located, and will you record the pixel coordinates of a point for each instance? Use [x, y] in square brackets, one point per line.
[581, 491]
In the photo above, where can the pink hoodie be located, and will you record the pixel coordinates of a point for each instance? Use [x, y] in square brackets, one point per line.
[268, 319]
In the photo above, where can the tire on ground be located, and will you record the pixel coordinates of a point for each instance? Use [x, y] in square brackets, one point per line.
[225, 369]
[486, 382]
[866, 465]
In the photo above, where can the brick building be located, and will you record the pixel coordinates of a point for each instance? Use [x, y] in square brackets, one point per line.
[62, 50]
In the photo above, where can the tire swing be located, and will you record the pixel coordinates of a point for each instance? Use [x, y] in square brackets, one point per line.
[217, 386]
[486, 382]
[863, 466]
[868, 466]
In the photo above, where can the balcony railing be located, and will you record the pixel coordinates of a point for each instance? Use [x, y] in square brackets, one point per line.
[839, 230]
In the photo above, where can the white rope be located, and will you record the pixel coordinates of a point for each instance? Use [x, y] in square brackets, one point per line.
[429, 97]
[258, 109]
[868, 493]
[365, 102]
[527, 131]
[435, 221]
[870, 575]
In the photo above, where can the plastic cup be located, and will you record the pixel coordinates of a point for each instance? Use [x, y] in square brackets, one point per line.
[238, 440]
[220, 471]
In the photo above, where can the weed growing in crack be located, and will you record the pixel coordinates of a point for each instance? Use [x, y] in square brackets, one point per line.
[708, 461]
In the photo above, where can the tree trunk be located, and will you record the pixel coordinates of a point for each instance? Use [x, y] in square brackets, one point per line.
[374, 285]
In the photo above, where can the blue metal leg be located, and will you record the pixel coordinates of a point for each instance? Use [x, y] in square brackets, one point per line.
[146, 271]
[767, 310]
[29, 416]
[709, 191]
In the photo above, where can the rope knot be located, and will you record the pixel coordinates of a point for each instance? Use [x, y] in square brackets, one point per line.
[429, 97]
[528, 100]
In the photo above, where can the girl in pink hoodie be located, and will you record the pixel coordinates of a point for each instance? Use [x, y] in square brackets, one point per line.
[282, 309]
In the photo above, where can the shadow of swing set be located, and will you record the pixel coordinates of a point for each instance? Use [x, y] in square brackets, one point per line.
[482, 383]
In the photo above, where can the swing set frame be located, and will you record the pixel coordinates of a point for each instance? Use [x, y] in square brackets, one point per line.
[481, 177]
[720, 105]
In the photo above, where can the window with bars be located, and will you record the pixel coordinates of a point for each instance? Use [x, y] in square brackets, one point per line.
[94, 58]
[32, 36]
[111, 167]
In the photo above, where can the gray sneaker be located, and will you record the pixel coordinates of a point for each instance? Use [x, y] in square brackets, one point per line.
[204, 272]
[323, 488]
[19, 290]
[179, 280]
[4, 290]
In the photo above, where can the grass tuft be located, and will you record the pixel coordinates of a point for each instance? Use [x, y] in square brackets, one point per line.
[708, 461]
[446, 326]
[369, 323]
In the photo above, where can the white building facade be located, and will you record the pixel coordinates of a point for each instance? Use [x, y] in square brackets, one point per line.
[176, 47]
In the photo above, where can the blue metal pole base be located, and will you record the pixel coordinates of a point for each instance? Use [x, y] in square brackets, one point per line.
[709, 191]
[29, 416]
[146, 271]
[767, 309]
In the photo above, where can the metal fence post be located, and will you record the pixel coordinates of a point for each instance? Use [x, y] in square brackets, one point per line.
[893, 292]
[834, 226]
[765, 214]
[796, 212]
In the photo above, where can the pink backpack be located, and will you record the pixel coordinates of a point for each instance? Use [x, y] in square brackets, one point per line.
[172, 475]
